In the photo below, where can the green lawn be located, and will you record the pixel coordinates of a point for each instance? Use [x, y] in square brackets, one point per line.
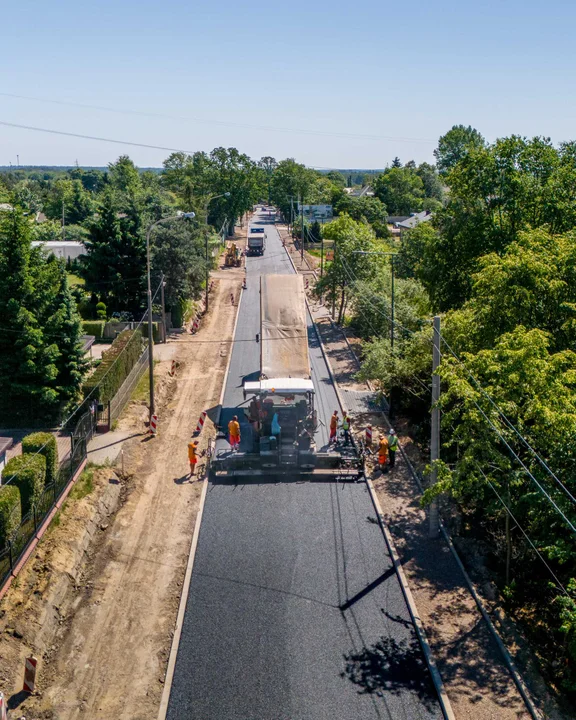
[75, 279]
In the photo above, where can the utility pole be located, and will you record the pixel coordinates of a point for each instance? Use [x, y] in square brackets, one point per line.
[334, 281]
[322, 257]
[63, 233]
[207, 270]
[435, 437]
[162, 286]
[392, 306]
[302, 229]
[292, 216]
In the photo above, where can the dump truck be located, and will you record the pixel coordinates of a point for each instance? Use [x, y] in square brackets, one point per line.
[256, 240]
[278, 417]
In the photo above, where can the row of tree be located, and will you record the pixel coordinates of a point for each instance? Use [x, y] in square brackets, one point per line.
[497, 262]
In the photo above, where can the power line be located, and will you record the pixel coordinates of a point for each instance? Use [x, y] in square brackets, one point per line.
[93, 137]
[223, 123]
[511, 425]
[524, 533]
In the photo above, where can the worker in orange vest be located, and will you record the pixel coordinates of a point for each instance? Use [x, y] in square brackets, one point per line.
[234, 431]
[333, 427]
[193, 456]
[383, 452]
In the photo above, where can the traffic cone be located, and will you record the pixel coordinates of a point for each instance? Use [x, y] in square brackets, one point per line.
[369, 436]
[30, 674]
[200, 424]
[173, 368]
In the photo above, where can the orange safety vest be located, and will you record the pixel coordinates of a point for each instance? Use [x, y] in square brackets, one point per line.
[192, 453]
[383, 449]
[333, 422]
[234, 428]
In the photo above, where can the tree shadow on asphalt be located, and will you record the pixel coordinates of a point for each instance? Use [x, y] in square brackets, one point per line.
[391, 667]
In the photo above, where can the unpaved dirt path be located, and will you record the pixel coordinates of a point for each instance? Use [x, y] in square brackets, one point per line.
[110, 663]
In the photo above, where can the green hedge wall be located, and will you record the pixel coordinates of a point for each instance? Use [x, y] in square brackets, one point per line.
[156, 331]
[115, 366]
[94, 327]
[46, 444]
[10, 512]
[28, 473]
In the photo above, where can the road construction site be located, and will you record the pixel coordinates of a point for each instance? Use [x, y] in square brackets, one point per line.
[294, 609]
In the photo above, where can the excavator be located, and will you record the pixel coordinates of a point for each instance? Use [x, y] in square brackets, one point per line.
[232, 257]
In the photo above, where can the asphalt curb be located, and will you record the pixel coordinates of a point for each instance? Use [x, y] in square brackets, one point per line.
[182, 609]
[420, 633]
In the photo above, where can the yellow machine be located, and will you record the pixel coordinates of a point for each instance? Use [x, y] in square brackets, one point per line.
[232, 257]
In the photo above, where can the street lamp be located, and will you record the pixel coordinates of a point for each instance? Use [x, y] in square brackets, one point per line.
[179, 216]
[391, 255]
[214, 197]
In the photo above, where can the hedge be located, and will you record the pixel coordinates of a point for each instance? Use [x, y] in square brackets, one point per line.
[116, 364]
[45, 443]
[28, 474]
[10, 512]
[156, 331]
[94, 327]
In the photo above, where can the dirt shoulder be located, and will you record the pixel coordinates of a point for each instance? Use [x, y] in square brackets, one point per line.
[476, 679]
[112, 600]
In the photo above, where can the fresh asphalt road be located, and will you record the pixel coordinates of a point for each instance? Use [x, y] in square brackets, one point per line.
[294, 610]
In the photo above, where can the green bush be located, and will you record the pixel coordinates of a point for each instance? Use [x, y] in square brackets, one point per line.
[28, 474]
[115, 366]
[46, 444]
[10, 512]
[156, 331]
[94, 327]
[101, 311]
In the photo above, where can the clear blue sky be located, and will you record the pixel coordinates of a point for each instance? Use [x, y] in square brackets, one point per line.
[371, 68]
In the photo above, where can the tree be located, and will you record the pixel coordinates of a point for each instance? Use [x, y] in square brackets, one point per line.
[396, 162]
[431, 181]
[336, 178]
[268, 164]
[178, 252]
[114, 266]
[64, 326]
[401, 190]
[454, 146]
[348, 266]
[27, 360]
[291, 181]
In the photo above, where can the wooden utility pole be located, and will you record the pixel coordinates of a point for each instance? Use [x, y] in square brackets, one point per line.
[435, 437]
[162, 286]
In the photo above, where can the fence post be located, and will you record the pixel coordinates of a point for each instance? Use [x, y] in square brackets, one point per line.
[10, 555]
[34, 515]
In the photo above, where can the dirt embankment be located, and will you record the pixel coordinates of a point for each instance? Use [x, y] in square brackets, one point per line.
[98, 601]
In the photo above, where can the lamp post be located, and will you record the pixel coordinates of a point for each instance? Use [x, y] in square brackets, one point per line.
[214, 197]
[179, 216]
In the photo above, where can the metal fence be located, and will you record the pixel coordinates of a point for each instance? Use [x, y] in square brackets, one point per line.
[118, 402]
[31, 522]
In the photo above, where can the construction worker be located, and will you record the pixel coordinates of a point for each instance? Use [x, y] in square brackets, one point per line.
[392, 446]
[333, 427]
[234, 432]
[193, 456]
[383, 453]
[244, 286]
[346, 427]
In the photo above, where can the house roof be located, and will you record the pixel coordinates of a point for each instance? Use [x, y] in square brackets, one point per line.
[415, 219]
[5, 444]
[6, 206]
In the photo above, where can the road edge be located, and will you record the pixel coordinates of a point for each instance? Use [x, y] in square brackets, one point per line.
[182, 609]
